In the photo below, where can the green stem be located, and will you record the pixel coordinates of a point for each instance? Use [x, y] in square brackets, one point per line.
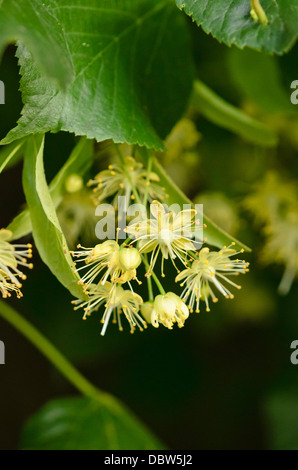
[257, 13]
[149, 284]
[59, 361]
[225, 115]
[49, 351]
[156, 280]
[135, 192]
[149, 169]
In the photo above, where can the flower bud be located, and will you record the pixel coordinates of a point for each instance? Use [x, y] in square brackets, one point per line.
[146, 310]
[130, 258]
[74, 183]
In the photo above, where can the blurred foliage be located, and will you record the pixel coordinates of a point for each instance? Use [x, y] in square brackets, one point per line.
[108, 428]
[220, 209]
[77, 218]
[282, 413]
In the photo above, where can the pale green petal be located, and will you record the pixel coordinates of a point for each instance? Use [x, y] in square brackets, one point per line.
[5, 235]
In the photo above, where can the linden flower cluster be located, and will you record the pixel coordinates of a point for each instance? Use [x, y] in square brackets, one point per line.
[273, 204]
[12, 258]
[159, 235]
[120, 179]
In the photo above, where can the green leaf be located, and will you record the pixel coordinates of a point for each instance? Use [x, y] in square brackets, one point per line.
[79, 162]
[229, 117]
[85, 424]
[33, 23]
[282, 413]
[133, 73]
[214, 235]
[11, 154]
[47, 233]
[21, 225]
[230, 22]
[247, 67]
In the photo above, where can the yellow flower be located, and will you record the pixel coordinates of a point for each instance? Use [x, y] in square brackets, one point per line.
[166, 233]
[166, 309]
[183, 137]
[104, 260]
[12, 256]
[220, 209]
[210, 269]
[272, 197]
[117, 302]
[274, 204]
[281, 246]
[103, 257]
[116, 182]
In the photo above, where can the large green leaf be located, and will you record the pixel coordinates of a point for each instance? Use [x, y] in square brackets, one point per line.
[78, 162]
[133, 72]
[84, 424]
[33, 23]
[230, 22]
[47, 232]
